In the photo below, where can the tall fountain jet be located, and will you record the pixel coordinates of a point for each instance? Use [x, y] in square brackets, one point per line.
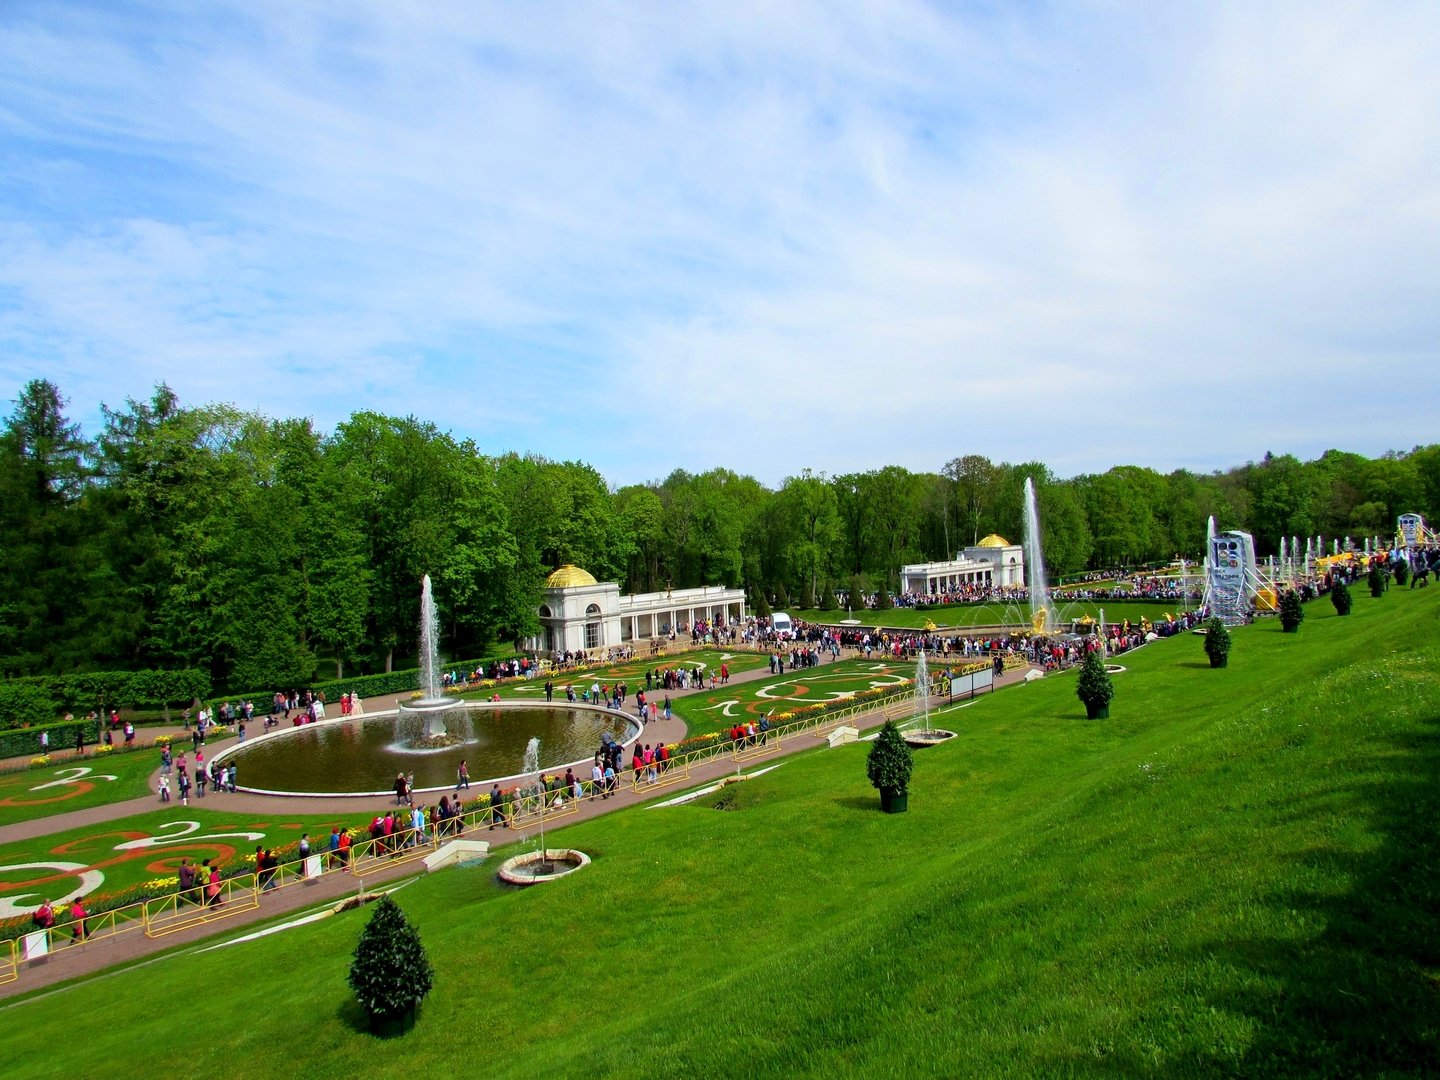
[1042, 617]
[429, 643]
[434, 708]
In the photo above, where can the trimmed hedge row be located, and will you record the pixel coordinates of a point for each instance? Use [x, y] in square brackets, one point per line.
[15, 742]
[37, 699]
[367, 686]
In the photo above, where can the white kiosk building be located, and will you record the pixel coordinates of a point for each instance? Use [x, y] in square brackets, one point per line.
[579, 613]
[992, 563]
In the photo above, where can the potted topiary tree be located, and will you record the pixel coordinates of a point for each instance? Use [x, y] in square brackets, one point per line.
[1292, 612]
[390, 973]
[1340, 597]
[1376, 580]
[888, 768]
[1095, 688]
[1217, 642]
[1402, 573]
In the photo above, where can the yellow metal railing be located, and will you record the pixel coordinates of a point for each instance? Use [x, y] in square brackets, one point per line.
[372, 855]
[10, 962]
[94, 928]
[196, 907]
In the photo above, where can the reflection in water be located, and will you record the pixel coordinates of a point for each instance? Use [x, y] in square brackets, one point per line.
[361, 754]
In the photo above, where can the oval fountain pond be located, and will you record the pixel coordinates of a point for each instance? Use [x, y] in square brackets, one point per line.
[361, 755]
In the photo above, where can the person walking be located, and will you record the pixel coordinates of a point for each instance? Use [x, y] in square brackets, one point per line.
[462, 778]
[497, 813]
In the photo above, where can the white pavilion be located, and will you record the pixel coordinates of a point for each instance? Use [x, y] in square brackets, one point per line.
[577, 612]
[992, 563]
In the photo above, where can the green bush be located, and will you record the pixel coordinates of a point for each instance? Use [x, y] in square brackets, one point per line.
[100, 691]
[24, 702]
[1217, 640]
[827, 601]
[390, 973]
[1094, 688]
[1376, 580]
[1340, 597]
[1292, 612]
[1402, 572]
[19, 741]
[890, 761]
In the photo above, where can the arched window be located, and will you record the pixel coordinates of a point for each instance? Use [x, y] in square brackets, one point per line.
[545, 611]
[593, 609]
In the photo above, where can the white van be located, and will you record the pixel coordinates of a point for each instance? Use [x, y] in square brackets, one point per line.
[782, 624]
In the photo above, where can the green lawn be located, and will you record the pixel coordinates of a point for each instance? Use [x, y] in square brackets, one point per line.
[959, 617]
[1235, 875]
[716, 710]
[631, 672]
[63, 786]
[141, 848]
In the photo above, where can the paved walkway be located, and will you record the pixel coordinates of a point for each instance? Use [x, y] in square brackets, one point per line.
[333, 887]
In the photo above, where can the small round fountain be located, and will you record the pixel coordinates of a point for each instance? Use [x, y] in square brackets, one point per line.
[538, 866]
[921, 734]
[542, 864]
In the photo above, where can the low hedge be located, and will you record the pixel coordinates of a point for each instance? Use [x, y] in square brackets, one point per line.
[367, 686]
[16, 742]
[37, 699]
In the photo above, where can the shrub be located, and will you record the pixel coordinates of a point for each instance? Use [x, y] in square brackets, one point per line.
[390, 973]
[1217, 642]
[1292, 612]
[62, 736]
[1340, 597]
[1376, 580]
[882, 599]
[1094, 688]
[890, 762]
[1402, 572]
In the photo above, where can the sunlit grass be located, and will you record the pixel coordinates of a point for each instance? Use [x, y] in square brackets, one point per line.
[1234, 875]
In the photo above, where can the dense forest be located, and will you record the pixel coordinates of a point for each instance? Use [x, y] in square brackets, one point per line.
[261, 550]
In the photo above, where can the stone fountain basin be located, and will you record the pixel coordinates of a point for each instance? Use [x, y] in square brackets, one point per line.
[926, 737]
[522, 869]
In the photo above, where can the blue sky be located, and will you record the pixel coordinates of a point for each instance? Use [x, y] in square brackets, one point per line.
[767, 236]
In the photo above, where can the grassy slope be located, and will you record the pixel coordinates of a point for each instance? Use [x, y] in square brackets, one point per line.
[1235, 874]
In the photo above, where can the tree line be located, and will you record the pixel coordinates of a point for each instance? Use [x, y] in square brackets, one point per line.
[258, 550]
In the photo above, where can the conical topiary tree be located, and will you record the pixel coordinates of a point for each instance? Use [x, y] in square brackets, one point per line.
[882, 599]
[1095, 688]
[1292, 612]
[888, 766]
[827, 599]
[1340, 597]
[857, 594]
[1376, 580]
[390, 973]
[1402, 572]
[1217, 642]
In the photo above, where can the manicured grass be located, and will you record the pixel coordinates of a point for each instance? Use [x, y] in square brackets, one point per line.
[631, 672]
[717, 710]
[1235, 875]
[158, 839]
[59, 788]
[962, 616]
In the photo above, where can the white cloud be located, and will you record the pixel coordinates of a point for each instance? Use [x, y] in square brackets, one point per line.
[765, 237]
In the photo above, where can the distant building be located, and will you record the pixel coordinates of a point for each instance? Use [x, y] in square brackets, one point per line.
[992, 563]
[579, 613]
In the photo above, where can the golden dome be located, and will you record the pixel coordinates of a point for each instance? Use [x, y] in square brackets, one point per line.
[569, 576]
[993, 540]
